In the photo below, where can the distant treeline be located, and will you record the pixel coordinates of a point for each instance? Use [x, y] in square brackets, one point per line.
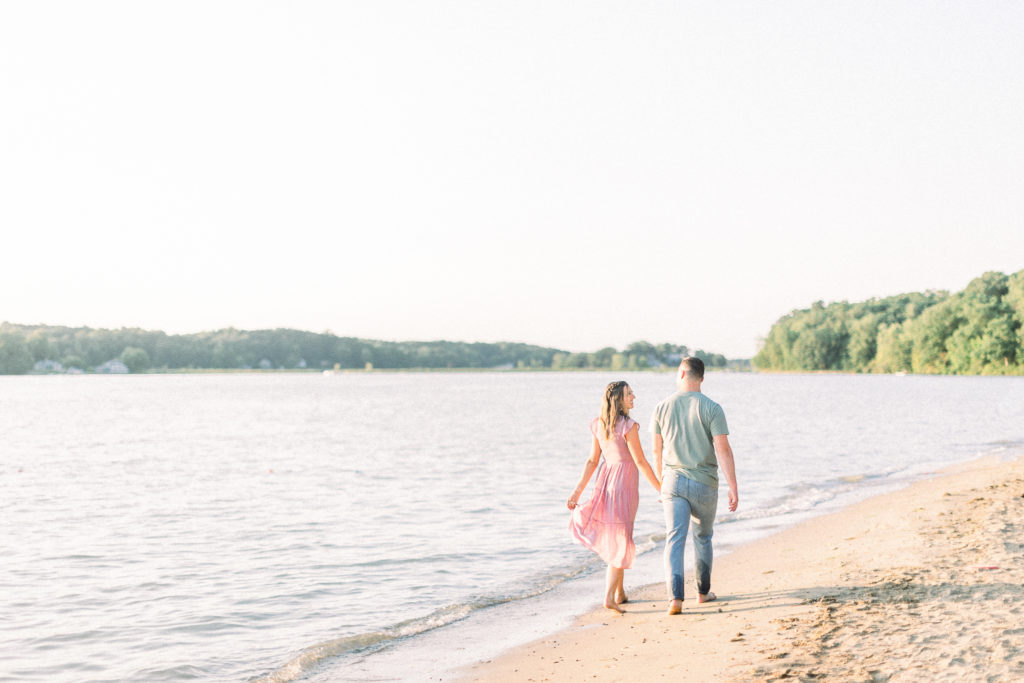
[639, 356]
[977, 331]
[43, 348]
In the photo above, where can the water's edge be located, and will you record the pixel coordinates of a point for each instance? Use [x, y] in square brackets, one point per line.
[491, 627]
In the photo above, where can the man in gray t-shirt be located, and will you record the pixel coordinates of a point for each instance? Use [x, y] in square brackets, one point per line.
[691, 441]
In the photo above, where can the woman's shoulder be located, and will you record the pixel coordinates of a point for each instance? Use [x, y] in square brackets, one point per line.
[622, 426]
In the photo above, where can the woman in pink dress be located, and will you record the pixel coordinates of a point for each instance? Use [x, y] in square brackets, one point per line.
[605, 522]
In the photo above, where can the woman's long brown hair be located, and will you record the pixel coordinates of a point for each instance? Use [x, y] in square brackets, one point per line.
[611, 407]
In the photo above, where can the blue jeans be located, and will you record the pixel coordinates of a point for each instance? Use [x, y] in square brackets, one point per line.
[684, 500]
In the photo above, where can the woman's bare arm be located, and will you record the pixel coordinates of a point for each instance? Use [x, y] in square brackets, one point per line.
[588, 471]
[637, 451]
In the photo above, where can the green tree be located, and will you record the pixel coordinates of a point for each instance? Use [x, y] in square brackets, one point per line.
[39, 345]
[986, 341]
[717, 360]
[930, 334]
[776, 351]
[666, 350]
[576, 361]
[602, 358]
[997, 348]
[809, 350]
[819, 348]
[863, 342]
[1015, 300]
[894, 350]
[641, 348]
[15, 357]
[135, 358]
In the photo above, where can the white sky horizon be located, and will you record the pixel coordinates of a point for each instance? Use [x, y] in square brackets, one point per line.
[567, 174]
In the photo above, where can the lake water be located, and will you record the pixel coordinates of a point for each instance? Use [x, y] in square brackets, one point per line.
[377, 526]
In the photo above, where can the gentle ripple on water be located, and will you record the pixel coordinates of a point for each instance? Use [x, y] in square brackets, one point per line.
[233, 527]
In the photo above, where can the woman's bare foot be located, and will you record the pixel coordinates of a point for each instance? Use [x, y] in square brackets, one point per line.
[613, 607]
[620, 597]
[613, 588]
[675, 607]
[707, 597]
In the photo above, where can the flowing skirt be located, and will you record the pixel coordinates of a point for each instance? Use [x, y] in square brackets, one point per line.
[605, 522]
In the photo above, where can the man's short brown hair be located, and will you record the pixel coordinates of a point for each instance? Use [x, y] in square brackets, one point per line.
[693, 367]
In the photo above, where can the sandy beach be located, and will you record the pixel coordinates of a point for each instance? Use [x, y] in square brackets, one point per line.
[923, 584]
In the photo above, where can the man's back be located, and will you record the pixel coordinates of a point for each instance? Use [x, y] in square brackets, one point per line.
[688, 421]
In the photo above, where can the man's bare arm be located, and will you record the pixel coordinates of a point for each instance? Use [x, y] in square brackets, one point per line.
[659, 446]
[723, 451]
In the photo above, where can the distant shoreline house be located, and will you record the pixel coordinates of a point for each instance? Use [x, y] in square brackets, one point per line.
[113, 367]
[48, 367]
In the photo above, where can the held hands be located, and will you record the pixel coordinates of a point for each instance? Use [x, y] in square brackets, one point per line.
[575, 497]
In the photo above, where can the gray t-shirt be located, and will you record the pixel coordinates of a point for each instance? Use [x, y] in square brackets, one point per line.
[688, 421]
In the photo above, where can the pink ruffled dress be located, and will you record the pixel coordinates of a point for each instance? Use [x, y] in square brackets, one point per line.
[605, 522]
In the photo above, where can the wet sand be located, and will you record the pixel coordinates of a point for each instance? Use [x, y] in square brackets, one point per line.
[923, 584]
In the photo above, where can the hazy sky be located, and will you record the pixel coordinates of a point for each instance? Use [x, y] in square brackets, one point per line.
[574, 174]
